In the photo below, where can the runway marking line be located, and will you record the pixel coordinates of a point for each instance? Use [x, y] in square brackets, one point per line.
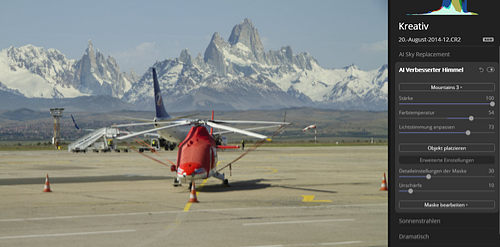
[310, 244]
[198, 211]
[64, 234]
[310, 198]
[188, 205]
[296, 222]
[271, 170]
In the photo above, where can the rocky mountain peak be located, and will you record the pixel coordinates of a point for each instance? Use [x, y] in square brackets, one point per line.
[185, 57]
[50, 63]
[245, 33]
[90, 49]
[47, 73]
[383, 68]
[351, 67]
[288, 52]
[33, 52]
[233, 74]
[214, 54]
[96, 74]
[217, 39]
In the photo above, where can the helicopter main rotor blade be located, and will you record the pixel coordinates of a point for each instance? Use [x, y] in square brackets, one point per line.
[246, 122]
[254, 128]
[236, 130]
[176, 123]
[254, 147]
[132, 124]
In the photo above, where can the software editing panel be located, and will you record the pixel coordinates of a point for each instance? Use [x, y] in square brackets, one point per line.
[444, 138]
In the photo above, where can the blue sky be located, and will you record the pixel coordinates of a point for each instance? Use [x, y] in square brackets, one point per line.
[138, 33]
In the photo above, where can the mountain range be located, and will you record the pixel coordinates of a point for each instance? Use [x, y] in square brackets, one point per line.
[237, 74]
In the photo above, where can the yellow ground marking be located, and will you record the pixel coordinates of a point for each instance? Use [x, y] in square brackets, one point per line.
[310, 198]
[178, 220]
[203, 183]
[188, 205]
[271, 170]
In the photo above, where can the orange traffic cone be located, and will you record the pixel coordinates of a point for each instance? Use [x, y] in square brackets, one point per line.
[192, 195]
[383, 186]
[46, 188]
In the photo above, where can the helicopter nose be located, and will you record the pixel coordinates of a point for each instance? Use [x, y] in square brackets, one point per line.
[189, 169]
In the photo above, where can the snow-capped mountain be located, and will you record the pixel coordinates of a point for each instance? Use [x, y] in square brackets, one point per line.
[239, 74]
[36, 72]
[233, 74]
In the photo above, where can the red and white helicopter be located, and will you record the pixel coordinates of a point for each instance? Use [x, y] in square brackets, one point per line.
[197, 154]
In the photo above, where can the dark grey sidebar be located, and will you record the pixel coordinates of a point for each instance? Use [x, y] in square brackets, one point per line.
[444, 123]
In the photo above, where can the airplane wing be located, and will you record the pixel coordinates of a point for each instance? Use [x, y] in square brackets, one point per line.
[137, 119]
[132, 124]
[149, 122]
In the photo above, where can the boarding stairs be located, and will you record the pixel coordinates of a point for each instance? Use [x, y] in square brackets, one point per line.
[89, 139]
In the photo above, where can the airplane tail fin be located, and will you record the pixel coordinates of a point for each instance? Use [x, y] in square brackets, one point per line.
[161, 113]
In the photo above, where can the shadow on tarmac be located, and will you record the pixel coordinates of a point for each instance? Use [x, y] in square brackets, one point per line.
[255, 184]
[90, 179]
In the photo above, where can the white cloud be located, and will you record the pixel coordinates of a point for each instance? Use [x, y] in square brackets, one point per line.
[145, 47]
[378, 46]
[138, 58]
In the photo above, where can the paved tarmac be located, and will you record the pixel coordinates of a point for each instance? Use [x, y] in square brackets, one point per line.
[296, 196]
